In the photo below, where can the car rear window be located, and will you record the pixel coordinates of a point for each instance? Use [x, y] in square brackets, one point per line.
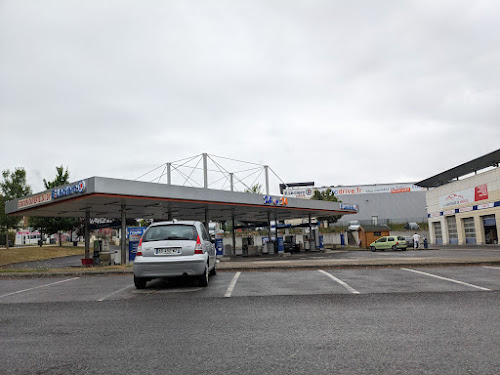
[170, 232]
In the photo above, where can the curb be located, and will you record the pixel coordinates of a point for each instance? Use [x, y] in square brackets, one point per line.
[277, 266]
[357, 266]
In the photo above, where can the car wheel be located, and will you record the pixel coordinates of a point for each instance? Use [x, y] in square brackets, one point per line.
[214, 270]
[203, 279]
[394, 248]
[140, 282]
[372, 248]
[404, 248]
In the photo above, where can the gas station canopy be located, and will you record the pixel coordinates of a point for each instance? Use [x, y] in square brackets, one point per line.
[107, 197]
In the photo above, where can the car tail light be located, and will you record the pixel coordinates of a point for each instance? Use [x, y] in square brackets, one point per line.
[139, 248]
[198, 249]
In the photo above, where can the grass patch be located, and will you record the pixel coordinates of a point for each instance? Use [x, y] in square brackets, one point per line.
[29, 254]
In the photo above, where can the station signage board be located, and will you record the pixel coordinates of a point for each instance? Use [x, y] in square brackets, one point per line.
[349, 207]
[280, 201]
[134, 236]
[73, 189]
[34, 200]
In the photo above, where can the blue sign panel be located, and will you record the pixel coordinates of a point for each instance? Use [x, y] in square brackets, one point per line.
[281, 244]
[134, 236]
[219, 246]
[77, 188]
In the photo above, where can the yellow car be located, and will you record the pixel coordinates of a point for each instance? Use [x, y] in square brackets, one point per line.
[389, 242]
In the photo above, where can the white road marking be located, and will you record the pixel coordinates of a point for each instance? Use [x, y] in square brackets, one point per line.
[445, 278]
[491, 267]
[231, 286]
[344, 284]
[115, 292]
[37, 287]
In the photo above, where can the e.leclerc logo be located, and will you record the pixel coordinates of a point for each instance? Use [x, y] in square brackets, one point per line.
[77, 188]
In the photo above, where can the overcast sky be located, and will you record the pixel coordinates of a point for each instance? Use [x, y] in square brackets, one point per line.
[335, 92]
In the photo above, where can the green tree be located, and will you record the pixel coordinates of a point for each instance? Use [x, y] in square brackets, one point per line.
[327, 195]
[62, 178]
[13, 186]
[50, 225]
[255, 189]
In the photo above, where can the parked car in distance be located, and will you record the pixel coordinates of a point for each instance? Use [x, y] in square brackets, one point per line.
[389, 242]
[412, 225]
[353, 225]
[172, 249]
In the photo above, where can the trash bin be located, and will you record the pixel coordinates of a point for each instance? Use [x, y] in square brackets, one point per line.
[118, 257]
[265, 249]
[270, 247]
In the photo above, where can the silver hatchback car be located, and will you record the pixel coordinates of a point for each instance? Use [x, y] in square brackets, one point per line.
[175, 248]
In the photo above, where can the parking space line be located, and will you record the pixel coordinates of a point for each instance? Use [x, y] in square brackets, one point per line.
[231, 286]
[37, 287]
[344, 284]
[491, 267]
[115, 292]
[445, 278]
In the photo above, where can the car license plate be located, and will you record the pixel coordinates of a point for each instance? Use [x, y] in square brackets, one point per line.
[167, 250]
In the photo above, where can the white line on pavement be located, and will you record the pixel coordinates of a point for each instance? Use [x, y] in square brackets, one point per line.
[491, 267]
[231, 286]
[344, 284]
[445, 278]
[36, 287]
[115, 292]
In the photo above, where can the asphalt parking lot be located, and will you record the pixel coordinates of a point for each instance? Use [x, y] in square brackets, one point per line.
[102, 288]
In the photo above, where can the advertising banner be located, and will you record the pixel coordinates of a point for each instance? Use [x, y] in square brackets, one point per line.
[134, 236]
[308, 192]
[464, 196]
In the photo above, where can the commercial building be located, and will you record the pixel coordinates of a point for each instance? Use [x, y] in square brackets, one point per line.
[377, 204]
[464, 205]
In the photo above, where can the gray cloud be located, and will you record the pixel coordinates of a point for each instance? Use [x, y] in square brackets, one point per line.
[335, 92]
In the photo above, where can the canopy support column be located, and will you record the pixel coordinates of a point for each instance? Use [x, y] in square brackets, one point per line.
[207, 220]
[234, 233]
[269, 225]
[124, 235]
[87, 234]
[310, 233]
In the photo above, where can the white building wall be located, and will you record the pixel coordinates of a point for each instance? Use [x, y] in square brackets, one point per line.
[437, 213]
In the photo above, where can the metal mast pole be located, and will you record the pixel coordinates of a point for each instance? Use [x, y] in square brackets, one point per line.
[205, 171]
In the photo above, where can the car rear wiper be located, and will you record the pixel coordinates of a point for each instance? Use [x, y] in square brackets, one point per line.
[178, 238]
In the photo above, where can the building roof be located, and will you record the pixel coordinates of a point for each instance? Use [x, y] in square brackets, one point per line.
[489, 160]
[104, 197]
